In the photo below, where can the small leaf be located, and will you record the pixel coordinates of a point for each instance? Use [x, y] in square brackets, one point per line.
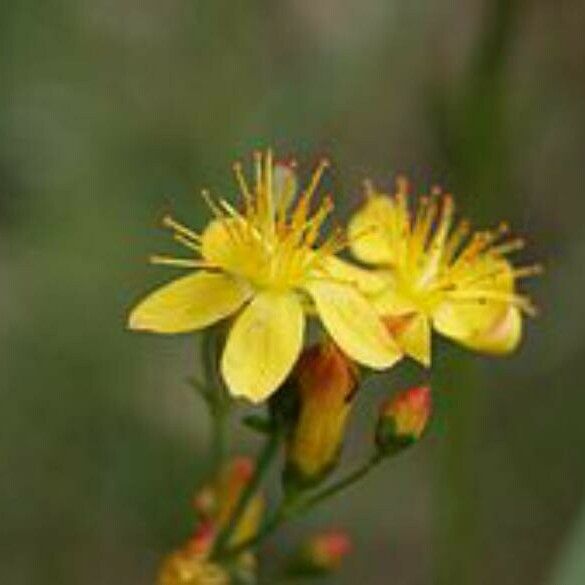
[258, 423]
[205, 392]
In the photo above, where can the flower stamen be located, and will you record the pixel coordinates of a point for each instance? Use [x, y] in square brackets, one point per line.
[243, 185]
[179, 262]
[169, 222]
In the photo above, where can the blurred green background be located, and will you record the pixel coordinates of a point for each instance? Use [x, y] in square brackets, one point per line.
[112, 110]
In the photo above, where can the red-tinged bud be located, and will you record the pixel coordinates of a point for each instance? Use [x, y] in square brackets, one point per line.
[403, 419]
[211, 501]
[328, 550]
[202, 541]
[200, 546]
[229, 487]
[325, 380]
[215, 502]
[321, 554]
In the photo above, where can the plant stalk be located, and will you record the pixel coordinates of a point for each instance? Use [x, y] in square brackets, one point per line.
[263, 463]
[294, 508]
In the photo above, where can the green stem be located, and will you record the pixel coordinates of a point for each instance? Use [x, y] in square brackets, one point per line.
[340, 485]
[219, 406]
[297, 507]
[262, 464]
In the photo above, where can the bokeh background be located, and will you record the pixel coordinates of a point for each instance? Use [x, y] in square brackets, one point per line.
[113, 110]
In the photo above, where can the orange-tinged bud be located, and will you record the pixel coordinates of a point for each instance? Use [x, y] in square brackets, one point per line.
[328, 549]
[321, 554]
[230, 484]
[202, 541]
[403, 419]
[325, 380]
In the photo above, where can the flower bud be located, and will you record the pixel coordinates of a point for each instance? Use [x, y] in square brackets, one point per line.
[202, 541]
[322, 554]
[229, 487]
[325, 381]
[215, 504]
[403, 419]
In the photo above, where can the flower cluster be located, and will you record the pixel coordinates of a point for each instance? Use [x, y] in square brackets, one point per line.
[192, 564]
[266, 266]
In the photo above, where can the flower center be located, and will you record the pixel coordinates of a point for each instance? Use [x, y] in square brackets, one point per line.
[271, 240]
[434, 261]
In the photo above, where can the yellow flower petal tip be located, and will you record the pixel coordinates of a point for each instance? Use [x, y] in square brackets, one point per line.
[413, 334]
[502, 337]
[354, 324]
[264, 257]
[438, 274]
[188, 303]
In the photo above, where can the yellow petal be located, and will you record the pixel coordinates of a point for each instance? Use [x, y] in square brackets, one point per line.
[219, 242]
[189, 303]
[389, 301]
[413, 335]
[263, 345]
[503, 337]
[462, 317]
[378, 286]
[369, 282]
[368, 231]
[410, 328]
[466, 320]
[234, 245]
[354, 324]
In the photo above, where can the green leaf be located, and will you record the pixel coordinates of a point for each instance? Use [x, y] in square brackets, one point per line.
[259, 424]
[203, 391]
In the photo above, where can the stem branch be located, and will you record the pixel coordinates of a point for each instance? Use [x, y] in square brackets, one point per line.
[262, 464]
[297, 507]
[342, 484]
[219, 405]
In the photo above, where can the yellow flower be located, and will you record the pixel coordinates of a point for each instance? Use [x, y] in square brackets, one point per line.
[266, 265]
[432, 274]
